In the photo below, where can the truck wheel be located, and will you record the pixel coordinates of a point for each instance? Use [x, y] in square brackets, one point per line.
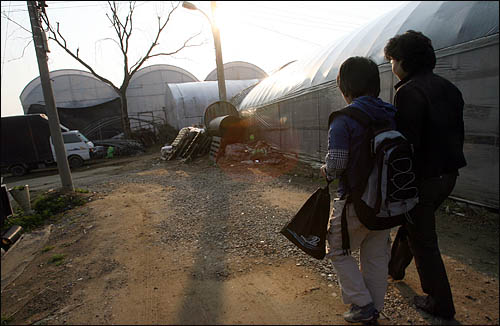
[18, 170]
[75, 162]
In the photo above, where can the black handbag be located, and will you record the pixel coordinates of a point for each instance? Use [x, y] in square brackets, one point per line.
[308, 228]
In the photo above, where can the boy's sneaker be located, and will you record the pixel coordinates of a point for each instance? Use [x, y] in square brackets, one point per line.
[365, 314]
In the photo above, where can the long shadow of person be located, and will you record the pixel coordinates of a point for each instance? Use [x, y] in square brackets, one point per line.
[203, 295]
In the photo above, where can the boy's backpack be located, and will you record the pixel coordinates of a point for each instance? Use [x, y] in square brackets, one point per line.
[387, 189]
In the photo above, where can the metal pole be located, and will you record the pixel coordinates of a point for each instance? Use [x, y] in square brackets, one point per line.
[50, 102]
[218, 56]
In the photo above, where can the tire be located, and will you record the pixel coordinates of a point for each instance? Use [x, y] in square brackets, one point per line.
[75, 162]
[18, 170]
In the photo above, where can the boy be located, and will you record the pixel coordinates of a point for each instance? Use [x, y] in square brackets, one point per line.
[359, 82]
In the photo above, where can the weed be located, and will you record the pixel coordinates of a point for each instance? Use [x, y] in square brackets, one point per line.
[18, 188]
[27, 222]
[48, 248]
[46, 206]
[82, 191]
[50, 204]
[6, 320]
[56, 259]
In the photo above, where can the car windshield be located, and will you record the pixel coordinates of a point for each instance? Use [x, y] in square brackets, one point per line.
[83, 138]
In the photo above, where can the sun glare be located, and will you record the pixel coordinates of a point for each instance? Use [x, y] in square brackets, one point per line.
[224, 20]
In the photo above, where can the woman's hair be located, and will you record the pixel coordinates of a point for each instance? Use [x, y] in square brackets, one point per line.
[413, 49]
[359, 76]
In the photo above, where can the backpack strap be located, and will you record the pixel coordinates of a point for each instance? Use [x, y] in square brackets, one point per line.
[346, 242]
[353, 112]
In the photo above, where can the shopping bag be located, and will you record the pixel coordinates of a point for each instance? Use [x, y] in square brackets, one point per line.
[308, 228]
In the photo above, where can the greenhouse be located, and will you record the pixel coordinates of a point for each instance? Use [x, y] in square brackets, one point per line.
[186, 103]
[290, 108]
[146, 93]
[238, 70]
[85, 101]
[72, 89]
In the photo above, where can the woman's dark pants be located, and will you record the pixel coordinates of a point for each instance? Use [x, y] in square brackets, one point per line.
[419, 240]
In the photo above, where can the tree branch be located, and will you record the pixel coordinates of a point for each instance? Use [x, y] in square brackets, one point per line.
[129, 18]
[123, 30]
[185, 45]
[117, 25]
[140, 62]
[54, 36]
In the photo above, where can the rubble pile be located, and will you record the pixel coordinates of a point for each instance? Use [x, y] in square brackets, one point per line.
[145, 136]
[255, 152]
[121, 146]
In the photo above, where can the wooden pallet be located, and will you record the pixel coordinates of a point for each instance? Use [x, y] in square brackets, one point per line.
[187, 153]
[205, 146]
[215, 148]
[199, 147]
[179, 137]
[177, 143]
[189, 144]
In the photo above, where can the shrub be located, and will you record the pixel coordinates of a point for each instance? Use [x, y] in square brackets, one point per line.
[56, 259]
[46, 206]
[48, 248]
[50, 204]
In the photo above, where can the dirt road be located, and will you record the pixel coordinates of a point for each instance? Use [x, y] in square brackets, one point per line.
[172, 243]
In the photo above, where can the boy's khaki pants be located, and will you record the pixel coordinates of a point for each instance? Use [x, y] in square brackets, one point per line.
[369, 284]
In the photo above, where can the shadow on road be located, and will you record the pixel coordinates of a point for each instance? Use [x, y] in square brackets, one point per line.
[203, 296]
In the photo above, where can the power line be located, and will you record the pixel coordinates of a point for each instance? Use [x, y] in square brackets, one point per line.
[274, 12]
[316, 26]
[301, 16]
[249, 21]
[24, 5]
[5, 44]
[284, 34]
[258, 11]
[53, 8]
[10, 5]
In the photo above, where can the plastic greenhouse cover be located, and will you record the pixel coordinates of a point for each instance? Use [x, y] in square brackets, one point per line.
[446, 23]
[186, 102]
[73, 88]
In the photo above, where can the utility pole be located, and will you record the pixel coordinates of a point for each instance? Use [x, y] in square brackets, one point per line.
[41, 49]
[218, 55]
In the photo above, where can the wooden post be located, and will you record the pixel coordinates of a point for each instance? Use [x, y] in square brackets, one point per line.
[50, 103]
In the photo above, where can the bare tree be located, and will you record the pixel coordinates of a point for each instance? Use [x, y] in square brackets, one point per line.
[123, 28]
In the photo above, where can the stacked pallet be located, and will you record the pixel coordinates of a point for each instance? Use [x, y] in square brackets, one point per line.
[215, 148]
[189, 144]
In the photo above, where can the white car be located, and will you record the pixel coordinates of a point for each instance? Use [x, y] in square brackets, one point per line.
[78, 148]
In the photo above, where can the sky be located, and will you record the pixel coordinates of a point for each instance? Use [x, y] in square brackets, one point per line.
[267, 34]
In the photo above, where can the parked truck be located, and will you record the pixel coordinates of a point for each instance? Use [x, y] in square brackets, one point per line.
[27, 144]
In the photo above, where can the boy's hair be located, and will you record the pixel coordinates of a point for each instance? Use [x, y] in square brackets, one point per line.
[414, 49]
[359, 76]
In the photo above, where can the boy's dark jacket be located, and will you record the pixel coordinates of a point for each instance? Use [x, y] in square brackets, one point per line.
[376, 109]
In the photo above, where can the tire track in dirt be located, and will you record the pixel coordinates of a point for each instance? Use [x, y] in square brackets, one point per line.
[125, 220]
